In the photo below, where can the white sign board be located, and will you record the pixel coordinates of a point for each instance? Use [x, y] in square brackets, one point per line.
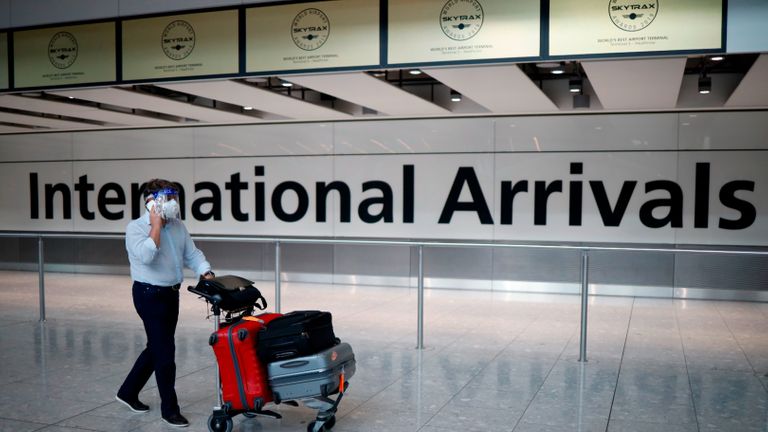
[180, 45]
[580, 27]
[64, 55]
[315, 35]
[641, 191]
[460, 30]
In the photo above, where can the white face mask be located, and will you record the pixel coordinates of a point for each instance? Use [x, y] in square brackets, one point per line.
[167, 208]
[170, 209]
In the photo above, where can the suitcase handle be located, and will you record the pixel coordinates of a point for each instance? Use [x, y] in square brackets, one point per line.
[294, 364]
[285, 354]
[261, 303]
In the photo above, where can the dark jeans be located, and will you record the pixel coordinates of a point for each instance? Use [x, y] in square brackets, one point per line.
[158, 308]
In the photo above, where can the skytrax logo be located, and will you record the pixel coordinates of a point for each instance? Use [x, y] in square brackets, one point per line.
[62, 50]
[461, 19]
[632, 15]
[310, 29]
[178, 40]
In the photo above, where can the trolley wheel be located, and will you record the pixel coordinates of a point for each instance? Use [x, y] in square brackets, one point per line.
[311, 427]
[219, 424]
[331, 422]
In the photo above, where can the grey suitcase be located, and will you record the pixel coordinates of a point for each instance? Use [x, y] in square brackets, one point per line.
[311, 376]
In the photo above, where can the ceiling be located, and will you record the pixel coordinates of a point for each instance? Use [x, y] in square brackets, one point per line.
[662, 84]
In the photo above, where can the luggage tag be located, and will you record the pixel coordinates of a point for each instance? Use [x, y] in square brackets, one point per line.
[253, 318]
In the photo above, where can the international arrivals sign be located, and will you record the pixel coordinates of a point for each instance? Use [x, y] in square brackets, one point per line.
[716, 199]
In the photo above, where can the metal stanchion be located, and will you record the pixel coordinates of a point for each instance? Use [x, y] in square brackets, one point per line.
[420, 315]
[41, 276]
[584, 305]
[421, 398]
[582, 383]
[277, 276]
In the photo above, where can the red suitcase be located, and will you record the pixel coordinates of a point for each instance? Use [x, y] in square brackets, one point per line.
[244, 383]
[266, 317]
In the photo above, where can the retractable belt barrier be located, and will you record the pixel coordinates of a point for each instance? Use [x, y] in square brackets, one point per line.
[419, 244]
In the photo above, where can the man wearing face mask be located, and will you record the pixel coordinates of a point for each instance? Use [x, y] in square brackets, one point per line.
[158, 246]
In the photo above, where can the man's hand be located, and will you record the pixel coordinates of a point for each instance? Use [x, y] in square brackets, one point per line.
[208, 275]
[155, 218]
[156, 222]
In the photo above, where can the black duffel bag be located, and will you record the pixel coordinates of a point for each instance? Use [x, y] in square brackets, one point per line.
[296, 334]
[230, 293]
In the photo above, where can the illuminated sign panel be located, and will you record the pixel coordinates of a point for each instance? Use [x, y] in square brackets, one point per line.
[312, 36]
[579, 27]
[62, 56]
[181, 46]
[461, 30]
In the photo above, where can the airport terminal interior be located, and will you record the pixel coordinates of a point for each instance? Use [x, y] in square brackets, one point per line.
[653, 364]
[523, 216]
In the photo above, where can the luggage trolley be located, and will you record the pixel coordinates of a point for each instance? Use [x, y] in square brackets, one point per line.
[308, 380]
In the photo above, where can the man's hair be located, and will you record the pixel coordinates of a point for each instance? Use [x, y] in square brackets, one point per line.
[156, 185]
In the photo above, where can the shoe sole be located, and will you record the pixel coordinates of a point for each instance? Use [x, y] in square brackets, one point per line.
[129, 406]
[175, 425]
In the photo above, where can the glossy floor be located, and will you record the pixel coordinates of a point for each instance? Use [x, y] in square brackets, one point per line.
[493, 362]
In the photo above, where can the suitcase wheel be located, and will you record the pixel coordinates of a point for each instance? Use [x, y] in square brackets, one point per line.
[219, 423]
[326, 426]
[331, 422]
